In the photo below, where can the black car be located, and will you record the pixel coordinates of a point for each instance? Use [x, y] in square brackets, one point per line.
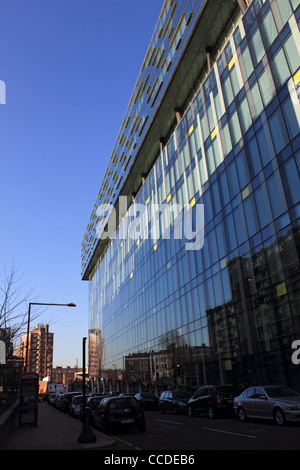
[148, 400]
[66, 401]
[214, 401]
[114, 412]
[174, 401]
[91, 404]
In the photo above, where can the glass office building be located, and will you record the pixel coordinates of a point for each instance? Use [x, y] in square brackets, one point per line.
[215, 125]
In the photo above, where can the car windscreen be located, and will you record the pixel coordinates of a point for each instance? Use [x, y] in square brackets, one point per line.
[77, 400]
[277, 392]
[226, 392]
[123, 403]
[181, 395]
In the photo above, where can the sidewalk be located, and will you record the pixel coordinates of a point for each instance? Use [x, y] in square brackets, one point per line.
[54, 431]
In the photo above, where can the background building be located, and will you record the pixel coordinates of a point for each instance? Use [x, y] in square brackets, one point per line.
[65, 375]
[214, 120]
[40, 350]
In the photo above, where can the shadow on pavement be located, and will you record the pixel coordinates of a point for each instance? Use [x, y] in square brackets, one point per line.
[54, 431]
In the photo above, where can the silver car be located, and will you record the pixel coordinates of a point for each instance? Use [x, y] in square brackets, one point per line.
[75, 406]
[271, 402]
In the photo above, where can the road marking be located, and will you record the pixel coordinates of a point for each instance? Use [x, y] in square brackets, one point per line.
[171, 422]
[228, 432]
[126, 443]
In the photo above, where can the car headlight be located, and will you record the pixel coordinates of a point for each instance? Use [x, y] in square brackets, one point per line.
[180, 403]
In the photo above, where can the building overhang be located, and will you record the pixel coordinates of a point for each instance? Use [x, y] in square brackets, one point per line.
[211, 25]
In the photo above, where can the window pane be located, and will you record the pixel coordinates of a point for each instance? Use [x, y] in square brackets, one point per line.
[227, 144]
[196, 179]
[221, 240]
[227, 89]
[292, 53]
[253, 158]
[257, 48]
[192, 144]
[224, 189]
[278, 131]
[232, 180]
[239, 225]
[295, 3]
[212, 245]
[211, 121]
[234, 81]
[291, 118]
[265, 153]
[291, 182]
[245, 116]
[263, 206]
[251, 216]
[197, 138]
[218, 106]
[204, 127]
[257, 104]
[242, 169]
[285, 10]
[235, 129]
[247, 62]
[210, 160]
[266, 87]
[203, 171]
[226, 285]
[207, 206]
[280, 68]
[217, 153]
[216, 197]
[230, 232]
[218, 289]
[269, 29]
[276, 195]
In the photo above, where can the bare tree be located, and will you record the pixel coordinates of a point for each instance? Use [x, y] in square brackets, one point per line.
[13, 308]
[13, 321]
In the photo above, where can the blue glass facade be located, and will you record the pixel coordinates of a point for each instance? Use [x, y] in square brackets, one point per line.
[171, 33]
[228, 313]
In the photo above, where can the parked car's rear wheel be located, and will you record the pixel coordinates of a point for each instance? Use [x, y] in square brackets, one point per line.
[279, 416]
[241, 414]
[211, 413]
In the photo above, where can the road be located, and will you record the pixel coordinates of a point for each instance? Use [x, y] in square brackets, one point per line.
[181, 432]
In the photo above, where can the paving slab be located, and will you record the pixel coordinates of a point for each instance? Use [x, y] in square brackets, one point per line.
[54, 431]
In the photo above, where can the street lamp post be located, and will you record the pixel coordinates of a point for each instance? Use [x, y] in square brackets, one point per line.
[87, 435]
[28, 324]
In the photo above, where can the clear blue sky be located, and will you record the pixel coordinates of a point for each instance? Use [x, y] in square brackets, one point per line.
[69, 67]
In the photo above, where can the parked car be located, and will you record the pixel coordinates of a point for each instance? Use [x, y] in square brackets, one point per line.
[174, 401]
[58, 400]
[213, 401]
[91, 404]
[270, 402]
[66, 401]
[75, 406]
[114, 412]
[147, 400]
[51, 398]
